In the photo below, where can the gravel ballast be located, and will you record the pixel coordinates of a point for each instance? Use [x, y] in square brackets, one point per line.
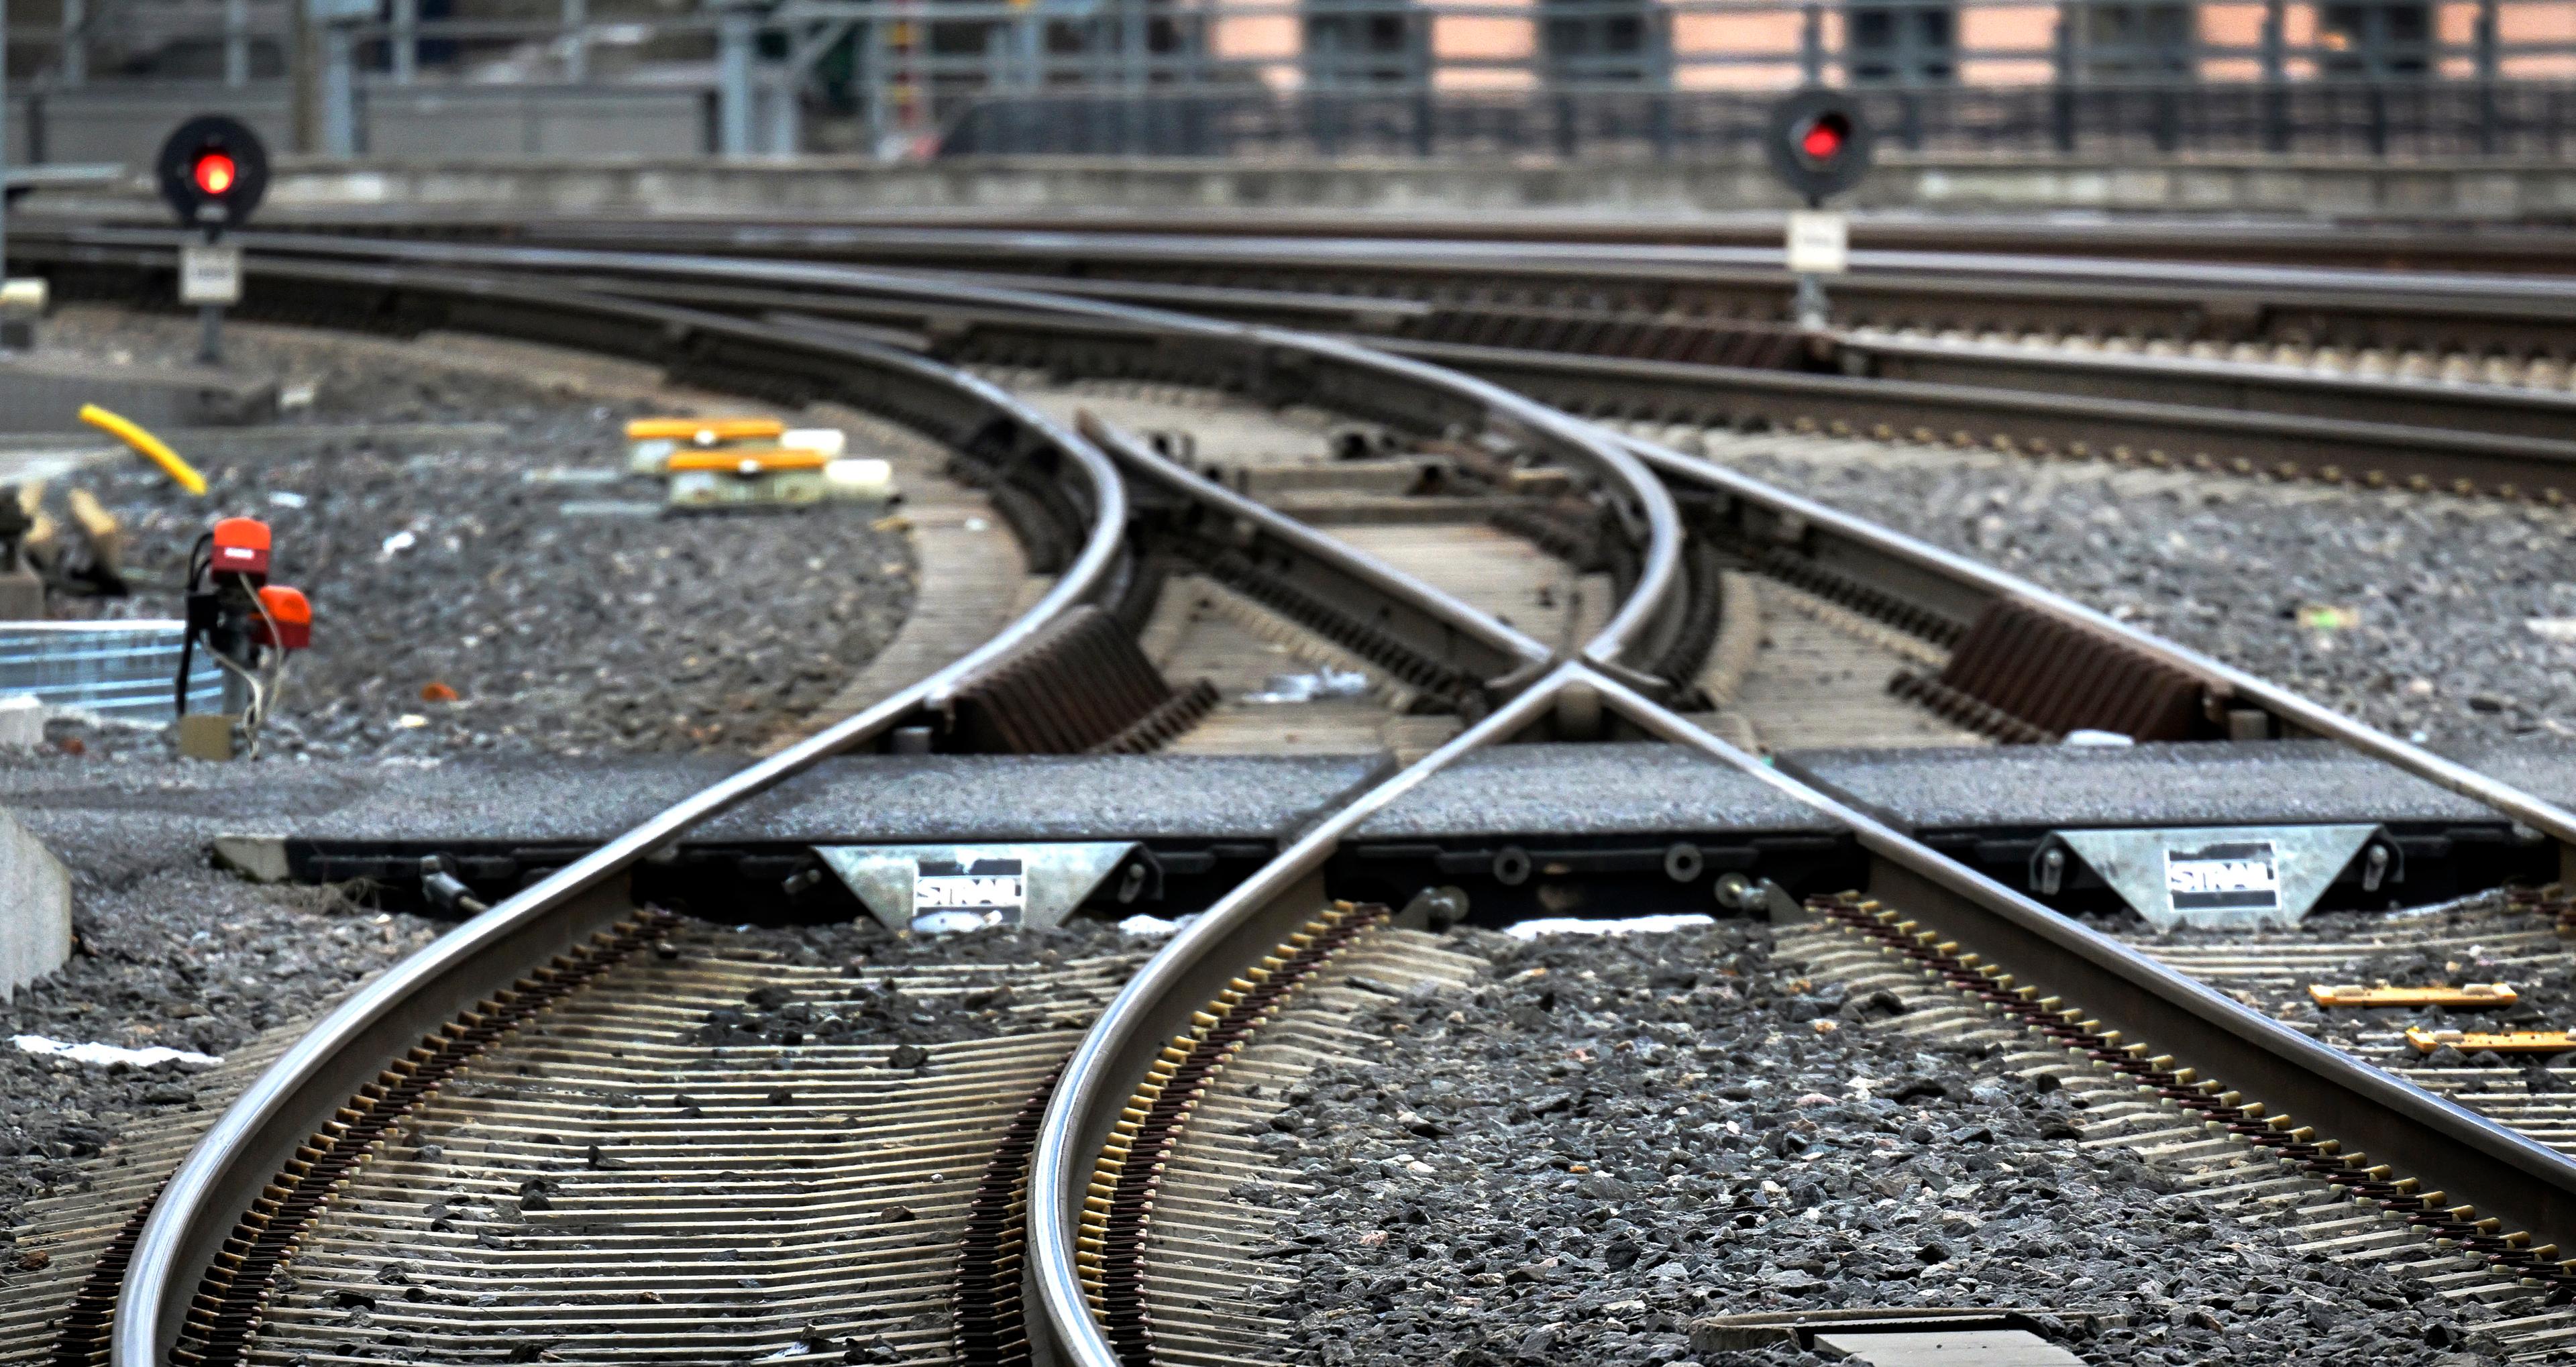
[176, 955]
[2412, 612]
[476, 587]
[401, 495]
[1614, 1137]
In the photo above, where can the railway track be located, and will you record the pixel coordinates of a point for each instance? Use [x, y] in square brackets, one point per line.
[1153, 1106]
[2434, 318]
[2146, 399]
[333, 1209]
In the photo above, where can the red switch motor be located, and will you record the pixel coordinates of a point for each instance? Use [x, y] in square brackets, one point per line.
[240, 547]
[285, 619]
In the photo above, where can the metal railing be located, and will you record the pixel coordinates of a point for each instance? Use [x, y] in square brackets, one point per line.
[127, 670]
[2423, 120]
[1434, 77]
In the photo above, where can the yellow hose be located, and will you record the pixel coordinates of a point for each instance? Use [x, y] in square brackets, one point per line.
[124, 430]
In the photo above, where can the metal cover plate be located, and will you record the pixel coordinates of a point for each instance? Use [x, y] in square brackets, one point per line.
[947, 888]
[1946, 1348]
[2220, 877]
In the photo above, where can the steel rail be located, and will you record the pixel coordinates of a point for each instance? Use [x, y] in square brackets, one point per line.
[1536, 255]
[2495, 438]
[2040, 419]
[1670, 355]
[1823, 521]
[2541, 417]
[2402, 241]
[1509, 651]
[2511, 1172]
[1643, 624]
[2490, 1165]
[288, 1102]
[1965, 274]
[2556, 822]
[1185, 971]
[2552, 820]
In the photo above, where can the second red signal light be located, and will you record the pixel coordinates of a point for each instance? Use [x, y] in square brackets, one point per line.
[1825, 138]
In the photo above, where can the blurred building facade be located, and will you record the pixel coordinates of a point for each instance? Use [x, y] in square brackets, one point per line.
[1397, 77]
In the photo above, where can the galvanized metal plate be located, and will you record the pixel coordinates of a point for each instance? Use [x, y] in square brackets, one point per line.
[1945, 1348]
[948, 888]
[2219, 877]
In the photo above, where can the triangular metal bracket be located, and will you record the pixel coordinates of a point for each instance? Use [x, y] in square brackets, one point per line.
[937, 888]
[2219, 877]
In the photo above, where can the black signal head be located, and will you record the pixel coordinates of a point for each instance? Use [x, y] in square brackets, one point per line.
[213, 170]
[1818, 143]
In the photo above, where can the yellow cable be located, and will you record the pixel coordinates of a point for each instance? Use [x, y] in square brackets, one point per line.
[123, 429]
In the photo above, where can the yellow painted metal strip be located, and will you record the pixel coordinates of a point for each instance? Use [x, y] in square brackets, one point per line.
[2466, 994]
[2502, 1042]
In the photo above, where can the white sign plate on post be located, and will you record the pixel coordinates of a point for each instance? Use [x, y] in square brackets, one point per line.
[1819, 242]
[210, 273]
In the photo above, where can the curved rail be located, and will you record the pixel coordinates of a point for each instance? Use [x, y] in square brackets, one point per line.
[2398, 1120]
[1624, 454]
[249, 1142]
[2494, 1166]
[1644, 625]
[1823, 520]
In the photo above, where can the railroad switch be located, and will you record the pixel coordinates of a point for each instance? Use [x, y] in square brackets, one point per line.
[2466, 996]
[2502, 1042]
[248, 625]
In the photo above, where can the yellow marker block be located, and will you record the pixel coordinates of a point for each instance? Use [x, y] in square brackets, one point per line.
[2502, 1042]
[180, 472]
[746, 463]
[705, 431]
[2466, 995]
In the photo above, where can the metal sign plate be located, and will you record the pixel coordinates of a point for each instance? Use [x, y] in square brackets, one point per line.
[1819, 242]
[942, 889]
[2220, 877]
[210, 273]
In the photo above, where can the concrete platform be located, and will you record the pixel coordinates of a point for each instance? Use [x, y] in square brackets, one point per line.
[43, 392]
[1602, 824]
[35, 909]
[2016, 786]
[1589, 790]
[550, 801]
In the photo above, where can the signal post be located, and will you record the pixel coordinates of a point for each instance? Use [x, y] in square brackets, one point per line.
[1819, 146]
[213, 171]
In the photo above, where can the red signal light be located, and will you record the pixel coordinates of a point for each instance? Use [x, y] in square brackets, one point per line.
[1824, 138]
[215, 172]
